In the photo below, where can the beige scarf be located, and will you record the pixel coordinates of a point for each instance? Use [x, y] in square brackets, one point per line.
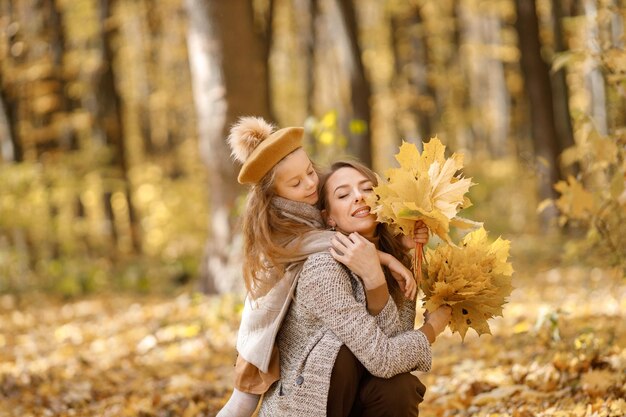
[262, 317]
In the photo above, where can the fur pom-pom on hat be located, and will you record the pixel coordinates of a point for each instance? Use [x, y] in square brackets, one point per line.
[255, 144]
[246, 135]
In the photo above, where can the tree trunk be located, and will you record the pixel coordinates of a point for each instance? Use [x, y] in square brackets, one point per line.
[110, 118]
[110, 107]
[67, 140]
[538, 87]
[310, 55]
[359, 143]
[7, 139]
[595, 79]
[560, 91]
[244, 54]
[229, 75]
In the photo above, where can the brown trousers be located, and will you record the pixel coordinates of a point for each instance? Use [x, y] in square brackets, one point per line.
[355, 392]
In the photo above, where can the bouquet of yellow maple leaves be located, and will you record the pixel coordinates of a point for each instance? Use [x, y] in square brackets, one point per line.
[426, 187]
[474, 279]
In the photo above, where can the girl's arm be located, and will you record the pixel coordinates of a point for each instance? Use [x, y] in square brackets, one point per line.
[400, 273]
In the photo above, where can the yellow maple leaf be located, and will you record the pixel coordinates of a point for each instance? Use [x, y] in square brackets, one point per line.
[426, 187]
[575, 201]
[474, 279]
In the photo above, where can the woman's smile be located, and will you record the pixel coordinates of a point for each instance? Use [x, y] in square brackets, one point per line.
[361, 212]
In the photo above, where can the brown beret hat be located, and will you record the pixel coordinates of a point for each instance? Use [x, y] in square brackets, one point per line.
[269, 152]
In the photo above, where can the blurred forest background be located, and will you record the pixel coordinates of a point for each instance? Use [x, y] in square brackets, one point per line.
[115, 176]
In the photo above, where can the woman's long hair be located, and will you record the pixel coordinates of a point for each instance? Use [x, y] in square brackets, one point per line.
[387, 241]
[265, 232]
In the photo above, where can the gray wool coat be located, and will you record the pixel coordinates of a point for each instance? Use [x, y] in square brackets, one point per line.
[329, 310]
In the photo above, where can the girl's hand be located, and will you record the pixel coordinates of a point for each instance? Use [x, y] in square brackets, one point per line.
[361, 256]
[420, 235]
[401, 274]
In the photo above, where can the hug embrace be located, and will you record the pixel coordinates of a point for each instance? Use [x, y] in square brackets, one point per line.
[328, 323]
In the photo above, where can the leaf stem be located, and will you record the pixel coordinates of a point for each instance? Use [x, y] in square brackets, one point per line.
[417, 262]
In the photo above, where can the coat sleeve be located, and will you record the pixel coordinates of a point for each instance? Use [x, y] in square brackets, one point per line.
[388, 319]
[324, 290]
[396, 319]
[406, 313]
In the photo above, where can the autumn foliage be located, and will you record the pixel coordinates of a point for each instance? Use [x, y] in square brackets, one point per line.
[425, 187]
[474, 279]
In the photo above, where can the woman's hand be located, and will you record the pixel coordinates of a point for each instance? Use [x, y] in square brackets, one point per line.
[361, 256]
[400, 273]
[439, 318]
[420, 235]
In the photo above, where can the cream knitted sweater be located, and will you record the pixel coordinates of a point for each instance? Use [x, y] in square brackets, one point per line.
[329, 310]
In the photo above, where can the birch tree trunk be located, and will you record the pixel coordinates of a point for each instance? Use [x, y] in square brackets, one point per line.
[228, 62]
[359, 143]
[595, 81]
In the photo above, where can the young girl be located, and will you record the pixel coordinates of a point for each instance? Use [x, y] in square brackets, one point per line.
[281, 228]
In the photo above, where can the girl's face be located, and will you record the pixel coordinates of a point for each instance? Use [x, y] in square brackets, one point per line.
[296, 179]
[345, 191]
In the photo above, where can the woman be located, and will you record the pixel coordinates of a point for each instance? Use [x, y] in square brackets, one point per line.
[337, 357]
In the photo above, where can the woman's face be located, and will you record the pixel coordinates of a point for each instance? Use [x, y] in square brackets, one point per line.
[296, 179]
[346, 208]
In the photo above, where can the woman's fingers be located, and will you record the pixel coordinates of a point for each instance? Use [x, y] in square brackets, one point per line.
[337, 246]
[340, 242]
[336, 255]
[345, 240]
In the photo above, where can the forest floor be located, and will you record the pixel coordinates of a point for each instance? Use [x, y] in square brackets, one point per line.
[559, 350]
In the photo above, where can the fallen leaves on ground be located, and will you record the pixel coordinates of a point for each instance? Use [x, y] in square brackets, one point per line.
[116, 355]
[559, 350]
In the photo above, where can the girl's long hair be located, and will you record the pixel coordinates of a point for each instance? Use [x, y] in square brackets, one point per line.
[265, 233]
[387, 241]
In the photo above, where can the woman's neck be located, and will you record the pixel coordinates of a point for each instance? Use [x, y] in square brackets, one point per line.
[375, 239]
